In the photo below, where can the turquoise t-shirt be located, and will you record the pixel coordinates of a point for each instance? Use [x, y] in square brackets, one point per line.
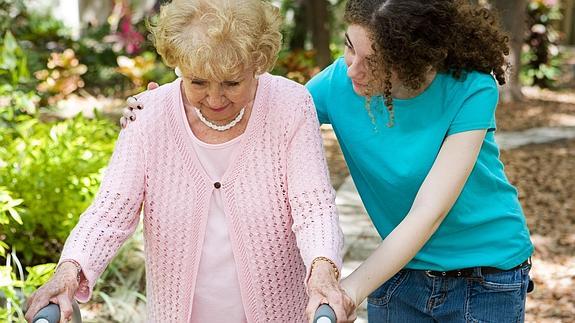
[486, 226]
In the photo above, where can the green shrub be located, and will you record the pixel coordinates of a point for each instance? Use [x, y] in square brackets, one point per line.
[13, 61]
[122, 286]
[55, 169]
[14, 288]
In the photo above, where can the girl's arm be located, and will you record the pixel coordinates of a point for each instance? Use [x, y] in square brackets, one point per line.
[435, 198]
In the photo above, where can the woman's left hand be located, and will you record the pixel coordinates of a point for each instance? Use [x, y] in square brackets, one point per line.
[323, 288]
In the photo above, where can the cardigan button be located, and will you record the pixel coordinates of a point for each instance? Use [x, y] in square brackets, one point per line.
[217, 184]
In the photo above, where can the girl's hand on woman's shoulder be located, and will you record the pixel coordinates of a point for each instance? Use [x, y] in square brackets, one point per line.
[128, 113]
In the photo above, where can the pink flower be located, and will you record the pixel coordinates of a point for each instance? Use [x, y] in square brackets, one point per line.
[131, 37]
[127, 37]
[550, 3]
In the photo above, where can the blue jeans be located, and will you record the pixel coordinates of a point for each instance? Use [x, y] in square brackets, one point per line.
[415, 296]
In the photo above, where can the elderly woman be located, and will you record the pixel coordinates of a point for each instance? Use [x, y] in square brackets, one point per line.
[228, 166]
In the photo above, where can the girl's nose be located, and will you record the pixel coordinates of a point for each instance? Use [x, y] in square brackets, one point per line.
[356, 70]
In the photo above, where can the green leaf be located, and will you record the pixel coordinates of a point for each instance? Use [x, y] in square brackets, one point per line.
[15, 216]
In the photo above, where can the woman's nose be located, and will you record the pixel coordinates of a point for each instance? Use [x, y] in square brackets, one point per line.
[215, 96]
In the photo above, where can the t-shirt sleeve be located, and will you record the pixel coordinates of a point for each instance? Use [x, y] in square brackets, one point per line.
[319, 86]
[477, 110]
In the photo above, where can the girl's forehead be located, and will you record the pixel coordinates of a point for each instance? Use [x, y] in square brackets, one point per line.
[360, 39]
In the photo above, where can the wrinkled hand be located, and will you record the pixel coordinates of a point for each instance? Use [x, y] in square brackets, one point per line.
[133, 103]
[60, 289]
[323, 288]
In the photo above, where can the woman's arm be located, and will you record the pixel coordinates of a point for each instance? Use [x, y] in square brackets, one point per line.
[114, 213]
[435, 198]
[311, 196]
[315, 220]
[103, 227]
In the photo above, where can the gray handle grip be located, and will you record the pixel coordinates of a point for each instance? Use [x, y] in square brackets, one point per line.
[48, 314]
[51, 314]
[324, 314]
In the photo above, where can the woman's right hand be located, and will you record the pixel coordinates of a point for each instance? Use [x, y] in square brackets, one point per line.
[128, 112]
[323, 288]
[60, 289]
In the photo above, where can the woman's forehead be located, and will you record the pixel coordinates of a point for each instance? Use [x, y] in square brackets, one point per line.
[201, 74]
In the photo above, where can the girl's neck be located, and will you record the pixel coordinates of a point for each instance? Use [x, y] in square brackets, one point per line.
[399, 91]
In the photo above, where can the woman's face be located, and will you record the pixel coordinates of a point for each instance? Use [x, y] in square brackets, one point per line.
[357, 50]
[220, 101]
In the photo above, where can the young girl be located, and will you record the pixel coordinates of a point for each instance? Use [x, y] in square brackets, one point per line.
[413, 106]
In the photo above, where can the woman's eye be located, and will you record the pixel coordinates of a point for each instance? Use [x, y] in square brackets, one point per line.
[232, 84]
[198, 82]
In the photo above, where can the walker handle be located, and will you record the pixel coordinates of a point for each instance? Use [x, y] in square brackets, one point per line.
[48, 314]
[51, 314]
[324, 314]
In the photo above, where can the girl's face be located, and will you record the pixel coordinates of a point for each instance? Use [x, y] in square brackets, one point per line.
[357, 50]
[220, 101]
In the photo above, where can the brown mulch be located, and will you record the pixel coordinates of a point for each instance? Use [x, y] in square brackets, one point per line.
[544, 175]
[541, 108]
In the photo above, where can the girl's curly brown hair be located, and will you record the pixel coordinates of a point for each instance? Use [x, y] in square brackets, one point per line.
[411, 36]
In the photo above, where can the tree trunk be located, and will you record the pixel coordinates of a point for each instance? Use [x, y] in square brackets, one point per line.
[318, 16]
[513, 15]
[300, 28]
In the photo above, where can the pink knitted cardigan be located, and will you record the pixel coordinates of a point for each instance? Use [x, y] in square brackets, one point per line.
[277, 197]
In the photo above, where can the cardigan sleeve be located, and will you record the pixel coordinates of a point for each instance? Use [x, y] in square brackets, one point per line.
[311, 196]
[113, 215]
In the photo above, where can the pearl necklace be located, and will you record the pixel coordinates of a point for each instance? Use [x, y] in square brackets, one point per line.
[222, 127]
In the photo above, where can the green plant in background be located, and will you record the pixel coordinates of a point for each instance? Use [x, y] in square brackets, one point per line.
[541, 59]
[9, 10]
[101, 78]
[38, 34]
[9, 213]
[122, 286]
[55, 168]
[13, 61]
[144, 68]
[15, 103]
[15, 286]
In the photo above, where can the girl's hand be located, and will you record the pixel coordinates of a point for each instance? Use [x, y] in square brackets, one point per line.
[133, 104]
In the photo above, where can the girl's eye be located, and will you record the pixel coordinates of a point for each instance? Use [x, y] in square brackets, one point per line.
[347, 42]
